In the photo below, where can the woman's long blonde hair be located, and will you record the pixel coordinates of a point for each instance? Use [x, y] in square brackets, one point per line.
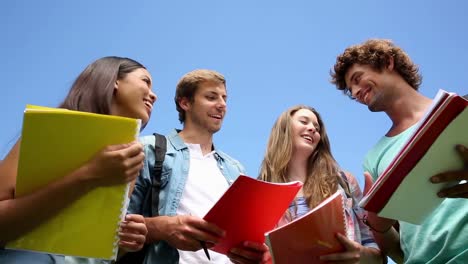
[322, 169]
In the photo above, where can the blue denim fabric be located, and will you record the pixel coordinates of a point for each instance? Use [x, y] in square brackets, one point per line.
[8, 256]
[173, 178]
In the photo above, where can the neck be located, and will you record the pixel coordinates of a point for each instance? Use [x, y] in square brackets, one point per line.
[406, 110]
[297, 168]
[205, 140]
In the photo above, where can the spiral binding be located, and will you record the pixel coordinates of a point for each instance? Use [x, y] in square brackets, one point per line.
[125, 202]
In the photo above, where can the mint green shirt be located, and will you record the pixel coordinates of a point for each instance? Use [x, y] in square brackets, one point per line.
[443, 236]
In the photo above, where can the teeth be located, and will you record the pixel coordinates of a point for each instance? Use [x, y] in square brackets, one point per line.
[307, 137]
[148, 103]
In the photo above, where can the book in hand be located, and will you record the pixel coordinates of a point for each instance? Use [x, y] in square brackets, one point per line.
[248, 209]
[404, 191]
[310, 236]
[55, 142]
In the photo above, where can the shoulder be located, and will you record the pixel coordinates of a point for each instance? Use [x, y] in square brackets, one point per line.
[349, 177]
[8, 172]
[383, 152]
[230, 160]
[147, 140]
[148, 148]
[174, 141]
[353, 184]
[150, 140]
[226, 157]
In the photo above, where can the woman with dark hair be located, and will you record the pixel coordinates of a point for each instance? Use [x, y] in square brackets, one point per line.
[111, 86]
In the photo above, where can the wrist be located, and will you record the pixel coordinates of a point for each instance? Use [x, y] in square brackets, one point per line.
[372, 255]
[82, 179]
[156, 226]
[384, 257]
[378, 224]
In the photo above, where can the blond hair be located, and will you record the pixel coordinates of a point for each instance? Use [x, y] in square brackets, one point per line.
[322, 169]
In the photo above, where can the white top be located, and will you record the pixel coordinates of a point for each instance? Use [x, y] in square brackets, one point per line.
[205, 185]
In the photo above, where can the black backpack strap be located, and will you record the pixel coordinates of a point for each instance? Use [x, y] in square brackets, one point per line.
[160, 153]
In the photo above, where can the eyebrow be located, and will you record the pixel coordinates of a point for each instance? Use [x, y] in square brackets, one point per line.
[353, 76]
[316, 124]
[216, 93]
[147, 77]
[308, 119]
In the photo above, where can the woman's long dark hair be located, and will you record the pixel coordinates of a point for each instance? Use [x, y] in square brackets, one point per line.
[93, 89]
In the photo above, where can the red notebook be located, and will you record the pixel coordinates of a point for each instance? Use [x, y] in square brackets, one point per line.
[436, 126]
[248, 209]
[310, 236]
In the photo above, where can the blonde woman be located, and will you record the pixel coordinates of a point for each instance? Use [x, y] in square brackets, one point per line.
[299, 149]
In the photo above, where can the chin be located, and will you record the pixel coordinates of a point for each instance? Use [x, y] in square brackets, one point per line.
[214, 129]
[374, 108]
[306, 147]
[144, 117]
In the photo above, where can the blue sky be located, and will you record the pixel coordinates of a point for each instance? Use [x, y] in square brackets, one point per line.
[274, 54]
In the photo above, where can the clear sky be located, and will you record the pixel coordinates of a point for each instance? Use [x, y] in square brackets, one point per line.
[274, 54]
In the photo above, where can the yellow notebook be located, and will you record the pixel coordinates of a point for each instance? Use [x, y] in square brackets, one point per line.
[54, 142]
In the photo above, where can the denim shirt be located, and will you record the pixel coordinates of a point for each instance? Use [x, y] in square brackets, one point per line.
[10, 256]
[173, 178]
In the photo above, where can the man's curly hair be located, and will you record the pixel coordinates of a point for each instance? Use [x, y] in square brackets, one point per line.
[377, 54]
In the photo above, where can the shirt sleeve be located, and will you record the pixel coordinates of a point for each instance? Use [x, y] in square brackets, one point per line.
[139, 199]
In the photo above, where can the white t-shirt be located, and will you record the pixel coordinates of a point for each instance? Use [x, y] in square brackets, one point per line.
[205, 185]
